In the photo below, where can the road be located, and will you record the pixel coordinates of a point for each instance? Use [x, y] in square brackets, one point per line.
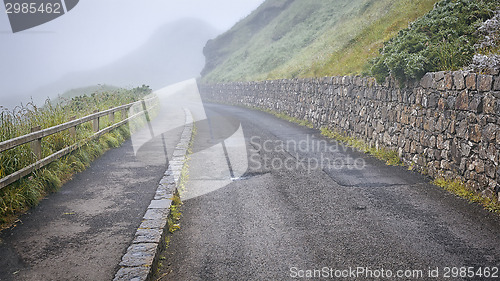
[82, 231]
[287, 216]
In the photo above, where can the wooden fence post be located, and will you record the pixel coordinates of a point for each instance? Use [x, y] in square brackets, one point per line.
[72, 130]
[111, 117]
[124, 114]
[95, 123]
[36, 145]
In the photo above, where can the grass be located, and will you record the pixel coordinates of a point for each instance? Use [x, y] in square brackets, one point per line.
[288, 118]
[461, 190]
[175, 214]
[308, 38]
[27, 192]
[390, 157]
[443, 39]
[174, 217]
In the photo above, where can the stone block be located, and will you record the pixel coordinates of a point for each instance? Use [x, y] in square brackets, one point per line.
[154, 214]
[139, 273]
[139, 255]
[489, 104]
[484, 82]
[148, 236]
[462, 101]
[475, 133]
[160, 204]
[459, 81]
[476, 104]
[470, 81]
[448, 81]
[442, 104]
[496, 84]
[427, 81]
[489, 132]
[158, 224]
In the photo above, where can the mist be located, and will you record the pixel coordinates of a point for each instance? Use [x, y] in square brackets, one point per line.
[114, 42]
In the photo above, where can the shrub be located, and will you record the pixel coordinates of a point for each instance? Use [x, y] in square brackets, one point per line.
[443, 39]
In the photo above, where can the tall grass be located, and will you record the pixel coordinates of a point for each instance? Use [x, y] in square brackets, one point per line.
[28, 191]
[309, 38]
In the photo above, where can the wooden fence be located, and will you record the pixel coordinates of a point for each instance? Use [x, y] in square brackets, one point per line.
[36, 136]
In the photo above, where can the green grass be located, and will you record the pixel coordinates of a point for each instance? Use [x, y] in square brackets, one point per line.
[443, 39]
[25, 193]
[390, 157]
[175, 214]
[288, 118]
[308, 38]
[461, 190]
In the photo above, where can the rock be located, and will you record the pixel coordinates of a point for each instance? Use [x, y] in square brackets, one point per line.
[451, 101]
[465, 150]
[139, 273]
[426, 81]
[455, 152]
[442, 104]
[475, 133]
[139, 255]
[496, 85]
[479, 166]
[432, 100]
[462, 129]
[448, 81]
[476, 105]
[462, 101]
[490, 170]
[470, 81]
[445, 165]
[459, 82]
[438, 76]
[432, 142]
[484, 82]
[439, 141]
[489, 102]
[489, 132]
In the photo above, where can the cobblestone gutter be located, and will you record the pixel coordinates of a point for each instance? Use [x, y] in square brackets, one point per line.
[138, 262]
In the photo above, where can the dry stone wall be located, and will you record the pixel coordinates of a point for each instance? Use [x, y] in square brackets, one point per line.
[447, 124]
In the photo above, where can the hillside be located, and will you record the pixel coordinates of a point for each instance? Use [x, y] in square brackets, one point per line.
[172, 54]
[293, 38]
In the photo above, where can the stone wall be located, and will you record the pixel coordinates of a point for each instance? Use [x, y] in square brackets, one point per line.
[447, 124]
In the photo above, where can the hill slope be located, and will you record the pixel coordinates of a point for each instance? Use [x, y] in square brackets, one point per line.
[172, 54]
[291, 38]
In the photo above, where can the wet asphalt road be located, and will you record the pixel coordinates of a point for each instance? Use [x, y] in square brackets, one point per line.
[82, 231]
[281, 221]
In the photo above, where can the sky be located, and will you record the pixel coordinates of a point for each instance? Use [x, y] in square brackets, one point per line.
[96, 33]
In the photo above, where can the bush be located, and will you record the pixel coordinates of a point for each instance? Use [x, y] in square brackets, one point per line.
[29, 190]
[443, 39]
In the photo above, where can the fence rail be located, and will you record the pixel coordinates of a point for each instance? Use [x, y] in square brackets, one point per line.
[35, 137]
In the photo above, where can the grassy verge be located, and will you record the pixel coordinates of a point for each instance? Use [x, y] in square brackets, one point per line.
[27, 192]
[289, 118]
[389, 156]
[174, 217]
[461, 190]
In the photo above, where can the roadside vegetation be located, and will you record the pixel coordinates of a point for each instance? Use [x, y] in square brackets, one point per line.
[402, 38]
[288, 39]
[446, 38]
[25, 193]
[461, 190]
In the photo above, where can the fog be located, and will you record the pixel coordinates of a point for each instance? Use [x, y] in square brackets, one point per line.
[101, 36]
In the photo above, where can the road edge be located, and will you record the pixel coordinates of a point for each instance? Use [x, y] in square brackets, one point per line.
[138, 262]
